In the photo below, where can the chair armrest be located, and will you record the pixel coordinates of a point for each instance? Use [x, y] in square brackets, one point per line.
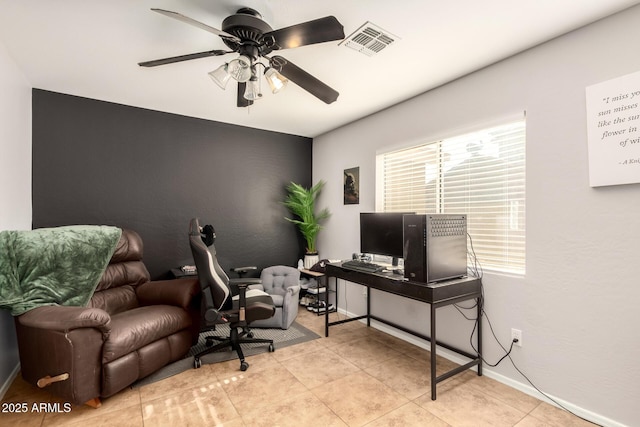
[64, 319]
[179, 292]
[243, 270]
[245, 280]
[293, 289]
[242, 306]
[290, 304]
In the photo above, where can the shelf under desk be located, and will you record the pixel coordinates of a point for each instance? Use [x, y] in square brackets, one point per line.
[437, 295]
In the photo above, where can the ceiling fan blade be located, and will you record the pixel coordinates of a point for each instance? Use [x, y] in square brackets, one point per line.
[242, 101]
[317, 31]
[303, 79]
[186, 19]
[181, 58]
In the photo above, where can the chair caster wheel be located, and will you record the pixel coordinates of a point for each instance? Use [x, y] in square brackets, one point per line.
[208, 343]
[197, 363]
[271, 348]
[244, 366]
[250, 335]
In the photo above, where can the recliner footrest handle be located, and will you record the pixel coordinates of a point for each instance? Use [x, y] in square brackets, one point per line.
[45, 381]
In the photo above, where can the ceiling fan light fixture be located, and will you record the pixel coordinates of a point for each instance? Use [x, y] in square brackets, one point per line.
[220, 75]
[252, 90]
[276, 81]
[240, 69]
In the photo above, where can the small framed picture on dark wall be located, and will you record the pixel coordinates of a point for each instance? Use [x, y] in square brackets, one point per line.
[352, 186]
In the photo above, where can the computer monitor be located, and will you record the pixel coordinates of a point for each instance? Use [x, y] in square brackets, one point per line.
[381, 234]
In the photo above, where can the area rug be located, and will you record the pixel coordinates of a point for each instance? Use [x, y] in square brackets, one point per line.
[296, 334]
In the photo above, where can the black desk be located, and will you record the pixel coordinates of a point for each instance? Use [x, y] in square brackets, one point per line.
[435, 294]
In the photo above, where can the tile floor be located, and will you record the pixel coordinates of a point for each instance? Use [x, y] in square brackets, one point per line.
[356, 377]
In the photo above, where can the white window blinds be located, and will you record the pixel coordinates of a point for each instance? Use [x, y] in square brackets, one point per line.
[481, 174]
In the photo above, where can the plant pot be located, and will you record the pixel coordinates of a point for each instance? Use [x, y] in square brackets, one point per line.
[310, 260]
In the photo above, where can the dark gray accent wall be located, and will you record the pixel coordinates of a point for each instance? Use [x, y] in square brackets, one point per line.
[96, 162]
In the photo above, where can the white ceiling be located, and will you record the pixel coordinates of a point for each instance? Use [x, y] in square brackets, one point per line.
[91, 49]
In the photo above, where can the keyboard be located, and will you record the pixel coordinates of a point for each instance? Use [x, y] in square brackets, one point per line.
[363, 266]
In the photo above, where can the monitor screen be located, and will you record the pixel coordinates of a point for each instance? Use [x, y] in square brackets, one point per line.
[381, 233]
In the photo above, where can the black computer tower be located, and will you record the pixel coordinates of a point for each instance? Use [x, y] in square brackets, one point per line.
[435, 247]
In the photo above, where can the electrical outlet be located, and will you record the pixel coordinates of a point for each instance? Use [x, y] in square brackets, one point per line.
[516, 334]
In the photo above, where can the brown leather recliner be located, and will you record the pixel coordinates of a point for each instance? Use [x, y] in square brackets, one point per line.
[131, 328]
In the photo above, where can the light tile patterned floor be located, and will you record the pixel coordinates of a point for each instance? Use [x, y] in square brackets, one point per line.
[356, 377]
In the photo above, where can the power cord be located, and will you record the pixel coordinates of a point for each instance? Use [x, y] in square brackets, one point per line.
[475, 267]
[346, 300]
[508, 355]
[476, 270]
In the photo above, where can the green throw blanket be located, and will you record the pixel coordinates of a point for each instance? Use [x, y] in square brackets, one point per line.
[50, 266]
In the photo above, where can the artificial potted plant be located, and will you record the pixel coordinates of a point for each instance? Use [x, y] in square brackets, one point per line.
[301, 202]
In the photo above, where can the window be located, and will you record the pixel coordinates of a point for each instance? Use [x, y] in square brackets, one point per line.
[481, 174]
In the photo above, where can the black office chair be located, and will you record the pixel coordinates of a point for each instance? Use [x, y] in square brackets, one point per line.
[220, 306]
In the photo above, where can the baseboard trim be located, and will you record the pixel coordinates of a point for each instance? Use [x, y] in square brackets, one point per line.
[9, 381]
[487, 371]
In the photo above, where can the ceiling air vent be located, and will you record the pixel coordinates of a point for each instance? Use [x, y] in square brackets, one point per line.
[369, 39]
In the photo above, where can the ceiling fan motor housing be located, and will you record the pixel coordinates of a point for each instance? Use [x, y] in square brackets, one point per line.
[248, 26]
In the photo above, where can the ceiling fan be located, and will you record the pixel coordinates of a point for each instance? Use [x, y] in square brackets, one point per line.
[248, 35]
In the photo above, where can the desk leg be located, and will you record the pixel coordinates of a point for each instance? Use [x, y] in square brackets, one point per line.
[368, 306]
[326, 304]
[479, 301]
[433, 352]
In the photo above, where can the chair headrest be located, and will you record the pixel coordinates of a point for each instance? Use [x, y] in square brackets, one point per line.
[206, 233]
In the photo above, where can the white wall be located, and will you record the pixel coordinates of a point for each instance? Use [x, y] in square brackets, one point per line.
[15, 183]
[577, 305]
